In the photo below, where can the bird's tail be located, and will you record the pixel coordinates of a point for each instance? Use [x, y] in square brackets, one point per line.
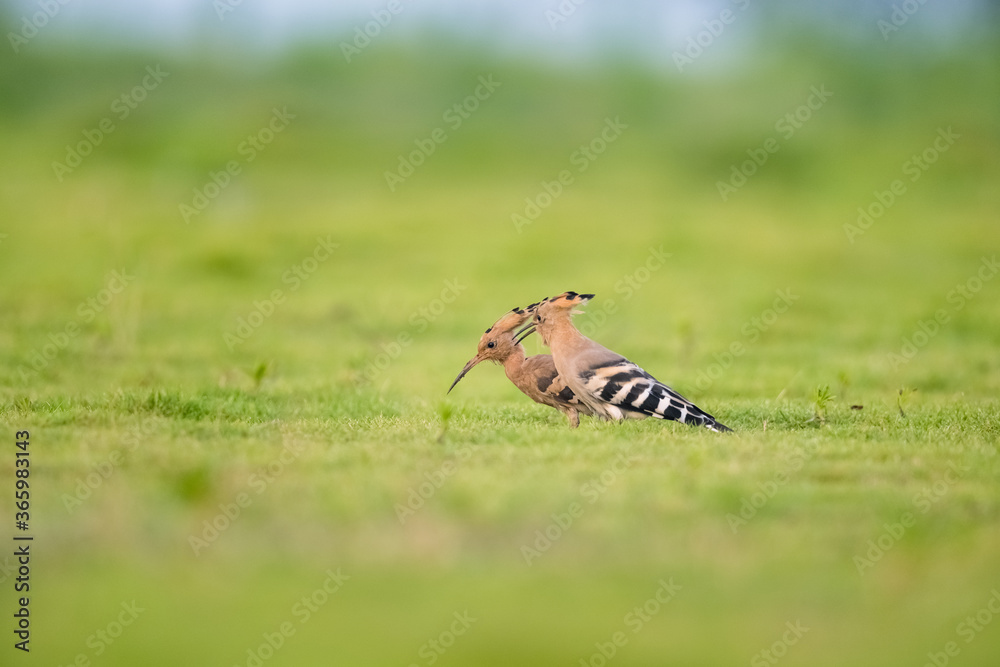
[690, 414]
[684, 411]
[712, 425]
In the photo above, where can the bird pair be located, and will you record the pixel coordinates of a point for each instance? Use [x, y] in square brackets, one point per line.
[580, 376]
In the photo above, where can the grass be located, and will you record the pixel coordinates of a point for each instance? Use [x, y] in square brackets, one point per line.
[323, 440]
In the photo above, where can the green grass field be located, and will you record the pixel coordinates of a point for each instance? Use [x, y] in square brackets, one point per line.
[237, 371]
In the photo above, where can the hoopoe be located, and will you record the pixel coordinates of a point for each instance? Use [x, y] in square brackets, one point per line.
[611, 385]
[535, 376]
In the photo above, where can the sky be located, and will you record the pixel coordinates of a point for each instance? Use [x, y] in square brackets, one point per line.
[556, 28]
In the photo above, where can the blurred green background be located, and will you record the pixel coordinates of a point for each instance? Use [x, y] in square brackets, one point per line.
[216, 301]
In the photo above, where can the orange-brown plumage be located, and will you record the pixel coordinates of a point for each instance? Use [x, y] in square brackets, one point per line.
[535, 376]
[609, 384]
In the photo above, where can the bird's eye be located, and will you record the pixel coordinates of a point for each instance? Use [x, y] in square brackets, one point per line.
[491, 344]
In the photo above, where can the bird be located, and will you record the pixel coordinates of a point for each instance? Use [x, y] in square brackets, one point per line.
[535, 376]
[609, 384]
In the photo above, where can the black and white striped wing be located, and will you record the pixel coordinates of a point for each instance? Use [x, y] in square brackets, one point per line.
[625, 387]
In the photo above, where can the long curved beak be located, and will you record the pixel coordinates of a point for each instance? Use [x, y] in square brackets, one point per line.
[468, 367]
[524, 333]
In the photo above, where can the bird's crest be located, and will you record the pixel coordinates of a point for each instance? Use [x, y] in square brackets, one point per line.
[512, 320]
[567, 300]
